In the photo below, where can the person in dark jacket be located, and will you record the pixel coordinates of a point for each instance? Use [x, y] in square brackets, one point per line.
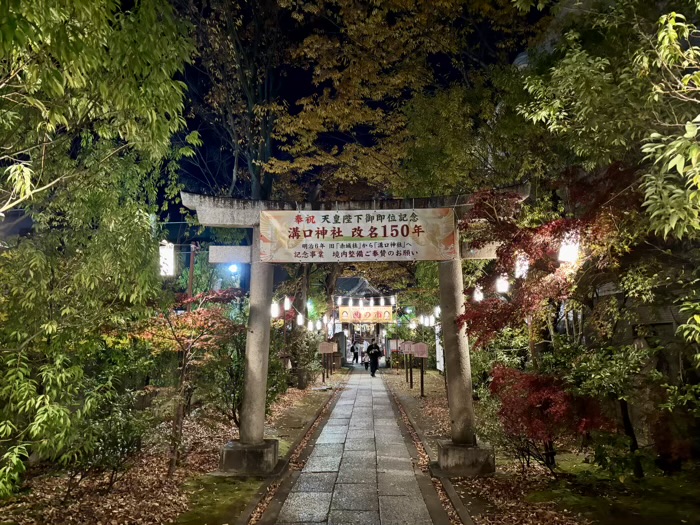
[374, 354]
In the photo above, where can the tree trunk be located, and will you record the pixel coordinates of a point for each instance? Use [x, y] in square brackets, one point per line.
[534, 351]
[634, 445]
[234, 175]
[550, 455]
[178, 419]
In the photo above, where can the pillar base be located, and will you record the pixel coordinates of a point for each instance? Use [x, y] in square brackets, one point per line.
[249, 460]
[465, 460]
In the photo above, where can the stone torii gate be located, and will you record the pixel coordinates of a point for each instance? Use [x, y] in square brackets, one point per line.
[252, 453]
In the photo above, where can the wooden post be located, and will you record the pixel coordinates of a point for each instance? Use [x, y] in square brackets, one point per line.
[323, 368]
[422, 375]
[410, 366]
[190, 277]
[405, 365]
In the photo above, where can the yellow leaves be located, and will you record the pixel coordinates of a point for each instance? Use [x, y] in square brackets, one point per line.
[50, 327]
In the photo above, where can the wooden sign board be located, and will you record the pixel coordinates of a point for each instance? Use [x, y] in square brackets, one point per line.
[420, 350]
[328, 348]
[406, 347]
[366, 314]
[394, 345]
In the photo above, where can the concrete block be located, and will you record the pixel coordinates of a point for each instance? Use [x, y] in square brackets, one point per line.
[466, 461]
[249, 460]
[315, 482]
[353, 517]
[305, 507]
[322, 464]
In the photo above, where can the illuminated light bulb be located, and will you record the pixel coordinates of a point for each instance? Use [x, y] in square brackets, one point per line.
[233, 268]
[300, 320]
[432, 320]
[478, 294]
[346, 332]
[437, 311]
[412, 325]
[502, 284]
[275, 310]
[382, 302]
[325, 319]
[287, 303]
[383, 333]
[340, 301]
[371, 301]
[393, 300]
[569, 249]
[310, 326]
[522, 265]
[359, 303]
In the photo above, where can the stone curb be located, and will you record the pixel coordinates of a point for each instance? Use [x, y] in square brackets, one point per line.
[456, 501]
[281, 472]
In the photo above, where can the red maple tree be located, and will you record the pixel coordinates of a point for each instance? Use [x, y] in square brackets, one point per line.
[193, 335]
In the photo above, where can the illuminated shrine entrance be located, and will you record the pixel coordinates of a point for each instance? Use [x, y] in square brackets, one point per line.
[356, 231]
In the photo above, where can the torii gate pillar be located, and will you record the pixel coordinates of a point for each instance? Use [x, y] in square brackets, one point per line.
[252, 453]
[461, 456]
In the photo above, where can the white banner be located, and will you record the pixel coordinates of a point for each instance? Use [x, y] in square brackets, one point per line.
[439, 353]
[360, 236]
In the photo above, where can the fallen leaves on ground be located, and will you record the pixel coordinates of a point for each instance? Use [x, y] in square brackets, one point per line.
[143, 495]
[503, 494]
[435, 409]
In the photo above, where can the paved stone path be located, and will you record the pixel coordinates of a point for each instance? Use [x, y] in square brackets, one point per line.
[360, 471]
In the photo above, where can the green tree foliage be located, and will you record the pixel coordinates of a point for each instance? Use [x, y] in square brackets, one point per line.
[70, 291]
[73, 67]
[88, 102]
[366, 62]
[207, 276]
[622, 86]
[465, 138]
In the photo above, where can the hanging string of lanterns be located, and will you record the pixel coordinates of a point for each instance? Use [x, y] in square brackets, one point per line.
[569, 253]
[342, 300]
[287, 305]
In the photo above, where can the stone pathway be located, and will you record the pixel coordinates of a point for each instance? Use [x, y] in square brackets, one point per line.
[360, 471]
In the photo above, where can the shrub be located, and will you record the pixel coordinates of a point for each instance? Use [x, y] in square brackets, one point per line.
[303, 349]
[221, 379]
[107, 441]
[536, 411]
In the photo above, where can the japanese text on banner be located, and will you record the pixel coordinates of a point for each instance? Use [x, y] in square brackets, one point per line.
[329, 236]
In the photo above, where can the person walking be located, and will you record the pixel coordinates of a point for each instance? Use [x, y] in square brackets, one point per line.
[374, 354]
[365, 360]
[355, 352]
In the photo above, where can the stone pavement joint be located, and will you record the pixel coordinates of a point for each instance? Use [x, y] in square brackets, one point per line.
[360, 470]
